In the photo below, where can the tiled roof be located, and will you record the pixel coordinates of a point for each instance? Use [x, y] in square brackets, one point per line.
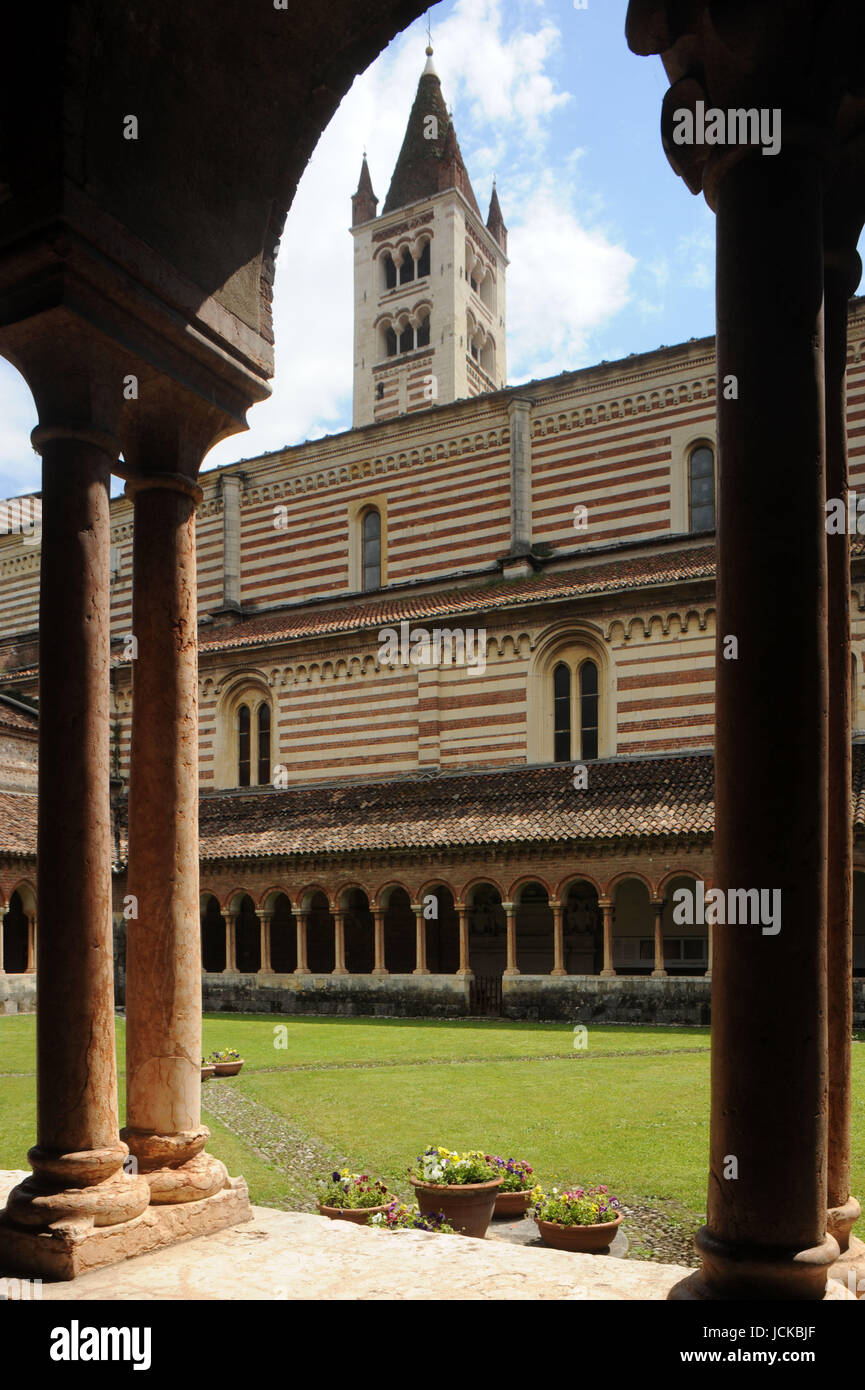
[13, 716]
[309, 620]
[643, 798]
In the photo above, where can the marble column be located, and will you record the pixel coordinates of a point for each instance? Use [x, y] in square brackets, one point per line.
[163, 950]
[78, 1181]
[2, 934]
[379, 967]
[230, 943]
[558, 939]
[302, 924]
[766, 1232]
[339, 943]
[465, 967]
[607, 909]
[420, 940]
[843, 272]
[659, 973]
[265, 919]
[31, 943]
[511, 913]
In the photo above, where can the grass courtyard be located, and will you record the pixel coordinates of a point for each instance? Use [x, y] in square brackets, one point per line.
[630, 1109]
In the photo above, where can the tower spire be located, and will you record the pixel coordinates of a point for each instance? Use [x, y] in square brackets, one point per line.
[364, 202]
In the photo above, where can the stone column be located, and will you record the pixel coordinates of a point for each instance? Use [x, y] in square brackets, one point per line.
[2, 934]
[78, 1182]
[766, 1232]
[265, 919]
[607, 909]
[230, 943]
[339, 943]
[31, 944]
[378, 942]
[465, 968]
[420, 940]
[709, 950]
[511, 968]
[842, 275]
[163, 950]
[659, 973]
[558, 939]
[302, 923]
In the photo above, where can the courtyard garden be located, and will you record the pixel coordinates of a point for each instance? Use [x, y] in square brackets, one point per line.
[627, 1107]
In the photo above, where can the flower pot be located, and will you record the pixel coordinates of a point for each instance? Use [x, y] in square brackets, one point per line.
[359, 1215]
[207, 1072]
[513, 1203]
[468, 1207]
[587, 1239]
[228, 1068]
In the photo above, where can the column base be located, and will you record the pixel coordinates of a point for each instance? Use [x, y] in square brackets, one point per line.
[381, 972]
[422, 971]
[65, 1253]
[341, 971]
[733, 1271]
[558, 970]
[607, 974]
[849, 1270]
[659, 975]
[465, 974]
[301, 971]
[510, 973]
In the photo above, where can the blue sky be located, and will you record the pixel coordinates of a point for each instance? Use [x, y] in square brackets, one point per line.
[610, 253]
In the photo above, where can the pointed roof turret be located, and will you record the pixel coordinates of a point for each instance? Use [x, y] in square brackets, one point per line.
[429, 144]
[495, 221]
[363, 202]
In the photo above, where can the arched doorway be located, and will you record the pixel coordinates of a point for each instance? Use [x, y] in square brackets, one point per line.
[583, 929]
[320, 954]
[400, 935]
[633, 928]
[534, 930]
[213, 956]
[247, 938]
[359, 937]
[283, 937]
[442, 931]
[686, 948]
[16, 929]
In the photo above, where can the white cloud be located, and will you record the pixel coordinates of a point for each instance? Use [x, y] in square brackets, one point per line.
[564, 281]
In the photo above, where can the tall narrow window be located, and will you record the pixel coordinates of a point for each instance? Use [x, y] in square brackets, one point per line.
[423, 333]
[390, 342]
[406, 270]
[423, 265]
[389, 273]
[243, 746]
[701, 488]
[263, 744]
[562, 713]
[372, 550]
[588, 710]
[406, 339]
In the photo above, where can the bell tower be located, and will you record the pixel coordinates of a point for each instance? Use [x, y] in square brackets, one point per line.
[429, 275]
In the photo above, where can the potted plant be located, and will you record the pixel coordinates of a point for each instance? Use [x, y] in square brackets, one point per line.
[227, 1063]
[399, 1217]
[581, 1218]
[515, 1193]
[348, 1196]
[207, 1070]
[463, 1187]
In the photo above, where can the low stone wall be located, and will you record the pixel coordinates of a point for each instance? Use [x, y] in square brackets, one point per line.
[17, 994]
[376, 996]
[624, 999]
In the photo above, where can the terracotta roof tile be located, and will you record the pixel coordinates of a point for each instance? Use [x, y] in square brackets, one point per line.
[638, 571]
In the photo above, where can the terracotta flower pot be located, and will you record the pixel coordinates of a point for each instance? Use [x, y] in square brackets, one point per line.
[228, 1068]
[468, 1207]
[587, 1239]
[359, 1215]
[207, 1072]
[513, 1203]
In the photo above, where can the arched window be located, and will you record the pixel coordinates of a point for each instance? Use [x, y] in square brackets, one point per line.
[701, 488]
[371, 558]
[263, 744]
[390, 342]
[562, 713]
[406, 339]
[243, 746]
[406, 270]
[588, 710]
[423, 333]
[389, 272]
[423, 265]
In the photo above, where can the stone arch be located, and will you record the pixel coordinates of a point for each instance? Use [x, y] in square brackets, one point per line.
[16, 927]
[358, 929]
[320, 952]
[633, 924]
[686, 947]
[283, 935]
[400, 954]
[533, 925]
[214, 957]
[247, 937]
[442, 929]
[487, 923]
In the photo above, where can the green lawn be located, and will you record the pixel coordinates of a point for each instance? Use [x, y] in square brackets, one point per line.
[631, 1109]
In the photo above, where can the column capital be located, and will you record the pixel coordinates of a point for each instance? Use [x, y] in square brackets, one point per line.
[164, 482]
[83, 433]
